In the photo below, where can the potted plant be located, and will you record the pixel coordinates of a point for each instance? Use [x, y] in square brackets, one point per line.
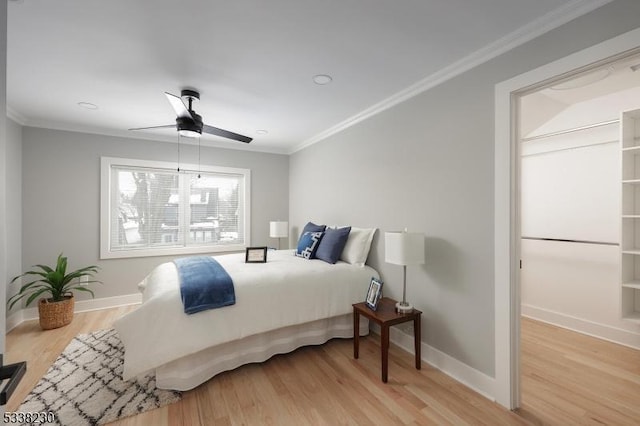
[57, 310]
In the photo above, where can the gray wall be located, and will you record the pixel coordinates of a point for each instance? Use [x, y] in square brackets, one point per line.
[427, 164]
[61, 198]
[14, 201]
[5, 209]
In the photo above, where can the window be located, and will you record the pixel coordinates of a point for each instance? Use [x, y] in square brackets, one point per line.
[150, 209]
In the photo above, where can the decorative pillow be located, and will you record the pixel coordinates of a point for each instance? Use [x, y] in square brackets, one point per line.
[309, 227]
[308, 244]
[332, 244]
[312, 227]
[356, 250]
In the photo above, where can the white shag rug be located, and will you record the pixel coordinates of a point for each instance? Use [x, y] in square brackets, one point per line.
[84, 385]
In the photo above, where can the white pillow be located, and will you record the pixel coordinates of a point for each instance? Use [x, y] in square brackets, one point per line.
[358, 245]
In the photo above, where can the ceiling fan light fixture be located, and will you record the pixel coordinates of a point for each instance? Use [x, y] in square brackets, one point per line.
[189, 133]
[190, 127]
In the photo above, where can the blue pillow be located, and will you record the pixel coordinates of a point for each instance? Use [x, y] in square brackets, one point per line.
[312, 227]
[332, 244]
[308, 244]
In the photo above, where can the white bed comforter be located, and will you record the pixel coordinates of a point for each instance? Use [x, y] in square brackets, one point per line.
[286, 290]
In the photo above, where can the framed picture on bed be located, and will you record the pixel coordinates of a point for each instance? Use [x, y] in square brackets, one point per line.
[255, 255]
[374, 294]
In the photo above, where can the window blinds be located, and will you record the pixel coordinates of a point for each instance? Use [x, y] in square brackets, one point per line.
[152, 208]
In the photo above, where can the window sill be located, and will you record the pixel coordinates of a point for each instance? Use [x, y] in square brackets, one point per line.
[171, 251]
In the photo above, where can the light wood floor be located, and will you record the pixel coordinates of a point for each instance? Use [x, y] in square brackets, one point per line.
[572, 379]
[567, 379]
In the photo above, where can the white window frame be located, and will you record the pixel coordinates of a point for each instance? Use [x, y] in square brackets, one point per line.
[106, 163]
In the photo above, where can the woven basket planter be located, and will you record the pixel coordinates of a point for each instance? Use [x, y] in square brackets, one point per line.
[55, 314]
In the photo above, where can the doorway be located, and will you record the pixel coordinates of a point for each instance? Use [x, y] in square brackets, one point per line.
[570, 221]
[507, 203]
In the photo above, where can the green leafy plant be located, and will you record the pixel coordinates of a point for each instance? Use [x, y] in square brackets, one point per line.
[57, 282]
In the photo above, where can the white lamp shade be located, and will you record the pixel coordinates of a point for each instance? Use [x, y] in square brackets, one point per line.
[278, 229]
[404, 248]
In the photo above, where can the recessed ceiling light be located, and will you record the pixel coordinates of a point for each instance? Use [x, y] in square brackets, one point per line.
[322, 79]
[87, 105]
[262, 132]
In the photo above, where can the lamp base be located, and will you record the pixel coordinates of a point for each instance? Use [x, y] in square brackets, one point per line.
[404, 307]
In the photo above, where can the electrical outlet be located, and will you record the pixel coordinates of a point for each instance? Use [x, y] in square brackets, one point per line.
[84, 281]
[407, 328]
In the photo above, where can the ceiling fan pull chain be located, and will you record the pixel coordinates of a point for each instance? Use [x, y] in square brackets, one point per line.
[178, 152]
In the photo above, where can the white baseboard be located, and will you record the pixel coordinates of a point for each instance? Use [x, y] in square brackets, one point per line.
[28, 314]
[14, 320]
[470, 377]
[590, 328]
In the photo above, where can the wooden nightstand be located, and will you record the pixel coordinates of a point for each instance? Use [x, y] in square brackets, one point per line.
[385, 317]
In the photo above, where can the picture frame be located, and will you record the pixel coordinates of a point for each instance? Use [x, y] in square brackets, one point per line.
[374, 293]
[255, 255]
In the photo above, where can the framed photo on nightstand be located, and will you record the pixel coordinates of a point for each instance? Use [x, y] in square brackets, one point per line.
[374, 294]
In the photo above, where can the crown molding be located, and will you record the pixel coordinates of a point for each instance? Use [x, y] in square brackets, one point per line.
[536, 28]
[16, 116]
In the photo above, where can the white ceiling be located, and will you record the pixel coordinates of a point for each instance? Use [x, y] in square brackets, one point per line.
[620, 75]
[253, 61]
[588, 97]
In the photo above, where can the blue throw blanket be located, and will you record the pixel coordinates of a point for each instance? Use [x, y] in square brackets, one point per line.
[204, 284]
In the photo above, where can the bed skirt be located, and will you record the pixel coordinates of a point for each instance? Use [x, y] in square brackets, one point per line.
[191, 371]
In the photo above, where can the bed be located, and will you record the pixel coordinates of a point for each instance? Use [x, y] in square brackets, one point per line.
[283, 304]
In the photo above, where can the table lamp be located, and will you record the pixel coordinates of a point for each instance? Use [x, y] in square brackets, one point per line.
[404, 248]
[278, 229]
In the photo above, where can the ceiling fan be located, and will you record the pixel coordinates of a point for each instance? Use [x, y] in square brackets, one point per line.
[188, 123]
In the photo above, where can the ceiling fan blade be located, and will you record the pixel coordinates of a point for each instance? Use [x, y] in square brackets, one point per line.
[225, 134]
[178, 106]
[168, 126]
